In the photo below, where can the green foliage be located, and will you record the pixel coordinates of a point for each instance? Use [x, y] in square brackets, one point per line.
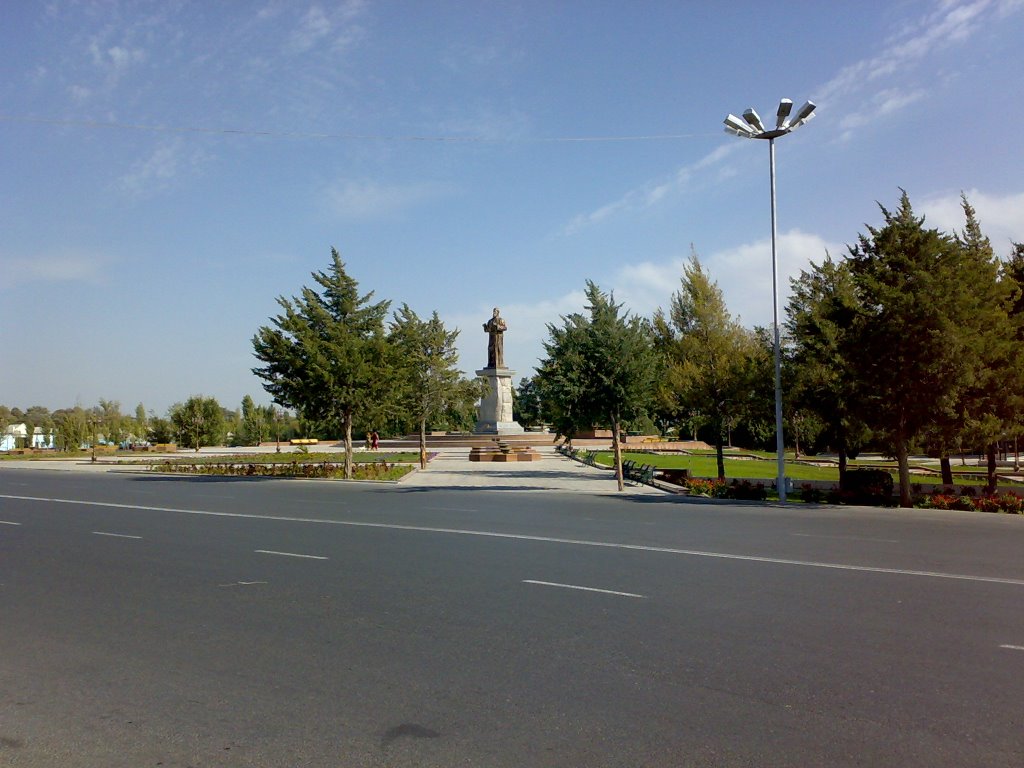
[327, 356]
[160, 430]
[920, 296]
[526, 407]
[821, 387]
[601, 368]
[714, 366]
[198, 421]
[431, 385]
[72, 428]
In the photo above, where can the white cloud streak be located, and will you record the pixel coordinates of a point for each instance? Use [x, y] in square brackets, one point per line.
[649, 194]
[158, 171]
[65, 267]
[1001, 216]
[881, 85]
[349, 199]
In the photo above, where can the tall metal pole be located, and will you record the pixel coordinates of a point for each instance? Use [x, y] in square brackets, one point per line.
[779, 444]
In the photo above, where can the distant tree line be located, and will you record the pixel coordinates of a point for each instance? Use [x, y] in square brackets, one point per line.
[198, 421]
[910, 343]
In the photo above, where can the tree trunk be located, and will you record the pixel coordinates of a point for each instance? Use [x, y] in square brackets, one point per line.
[991, 456]
[719, 454]
[947, 470]
[423, 443]
[617, 447]
[903, 461]
[348, 445]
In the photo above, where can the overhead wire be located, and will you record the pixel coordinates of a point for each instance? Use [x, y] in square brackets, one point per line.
[344, 136]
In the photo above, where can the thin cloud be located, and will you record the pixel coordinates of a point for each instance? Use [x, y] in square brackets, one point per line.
[649, 194]
[160, 169]
[951, 22]
[72, 267]
[351, 199]
[1001, 216]
[335, 27]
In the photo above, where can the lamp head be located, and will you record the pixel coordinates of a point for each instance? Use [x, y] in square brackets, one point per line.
[804, 114]
[754, 120]
[782, 116]
[737, 127]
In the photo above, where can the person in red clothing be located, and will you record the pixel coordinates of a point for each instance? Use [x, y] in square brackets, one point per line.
[374, 440]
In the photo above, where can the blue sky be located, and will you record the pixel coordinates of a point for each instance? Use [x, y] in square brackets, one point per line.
[168, 169]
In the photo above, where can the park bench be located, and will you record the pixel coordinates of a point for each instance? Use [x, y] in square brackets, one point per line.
[645, 473]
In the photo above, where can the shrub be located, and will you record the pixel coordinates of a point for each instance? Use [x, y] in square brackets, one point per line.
[810, 494]
[868, 485]
[701, 486]
[746, 490]
[1012, 503]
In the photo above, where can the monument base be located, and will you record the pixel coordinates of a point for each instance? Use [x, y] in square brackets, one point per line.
[504, 455]
[498, 428]
[495, 417]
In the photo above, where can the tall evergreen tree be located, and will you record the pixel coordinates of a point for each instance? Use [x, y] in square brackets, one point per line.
[326, 354]
[601, 368]
[820, 314]
[427, 358]
[992, 396]
[711, 359]
[910, 357]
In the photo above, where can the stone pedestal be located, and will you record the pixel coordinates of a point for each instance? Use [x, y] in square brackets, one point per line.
[495, 417]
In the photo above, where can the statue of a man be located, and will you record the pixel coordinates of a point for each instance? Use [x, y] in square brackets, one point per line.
[495, 328]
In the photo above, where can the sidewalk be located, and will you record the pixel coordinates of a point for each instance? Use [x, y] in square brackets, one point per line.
[451, 468]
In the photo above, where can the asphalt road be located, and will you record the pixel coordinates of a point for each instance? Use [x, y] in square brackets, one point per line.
[148, 621]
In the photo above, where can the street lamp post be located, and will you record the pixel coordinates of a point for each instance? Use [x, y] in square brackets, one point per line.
[751, 127]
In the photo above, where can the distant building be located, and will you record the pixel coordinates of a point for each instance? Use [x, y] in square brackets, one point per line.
[14, 435]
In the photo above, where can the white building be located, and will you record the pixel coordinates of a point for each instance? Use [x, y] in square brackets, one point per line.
[14, 435]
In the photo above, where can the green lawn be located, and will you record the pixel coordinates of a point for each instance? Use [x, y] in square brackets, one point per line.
[293, 457]
[705, 465]
[188, 457]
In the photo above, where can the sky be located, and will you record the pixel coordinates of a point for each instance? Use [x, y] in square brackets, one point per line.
[168, 169]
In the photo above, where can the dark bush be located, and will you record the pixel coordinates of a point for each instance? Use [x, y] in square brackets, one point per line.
[747, 491]
[810, 494]
[872, 486]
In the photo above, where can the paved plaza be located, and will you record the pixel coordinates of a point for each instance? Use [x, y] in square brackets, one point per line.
[450, 468]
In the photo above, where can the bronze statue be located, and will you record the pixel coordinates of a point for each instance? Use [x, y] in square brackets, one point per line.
[495, 328]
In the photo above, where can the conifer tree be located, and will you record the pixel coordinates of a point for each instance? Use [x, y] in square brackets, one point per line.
[820, 313]
[327, 356]
[910, 356]
[432, 384]
[711, 360]
[600, 368]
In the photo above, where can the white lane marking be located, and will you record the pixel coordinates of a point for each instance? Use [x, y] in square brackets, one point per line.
[118, 535]
[242, 584]
[845, 538]
[525, 537]
[289, 554]
[1013, 647]
[584, 589]
[8, 522]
